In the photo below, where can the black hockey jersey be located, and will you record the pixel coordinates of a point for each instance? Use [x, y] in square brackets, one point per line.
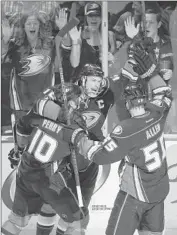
[140, 141]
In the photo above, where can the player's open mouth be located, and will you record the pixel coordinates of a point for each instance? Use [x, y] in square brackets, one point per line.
[94, 90]
[32, 32]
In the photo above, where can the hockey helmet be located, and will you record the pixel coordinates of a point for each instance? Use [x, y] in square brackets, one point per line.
[73, 91]
[134, 95]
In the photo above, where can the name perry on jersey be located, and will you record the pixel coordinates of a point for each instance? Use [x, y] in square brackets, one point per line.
[52, 126]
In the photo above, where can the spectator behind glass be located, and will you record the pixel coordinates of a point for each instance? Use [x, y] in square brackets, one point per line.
[91, 46]
[30, 46]
[134, 9]
[160, 43]
[31, 54]
[70, 44]
[116, 21]
[34, 46]
[167, 9]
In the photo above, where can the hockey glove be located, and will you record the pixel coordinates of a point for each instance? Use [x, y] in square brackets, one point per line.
[145, 60]
[75, 118]
[14, 157]
[145, 43]
[73, 133]
[78, 119]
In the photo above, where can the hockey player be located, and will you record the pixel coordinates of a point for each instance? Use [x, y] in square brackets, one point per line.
[95, 101]
[144, 182]
[37, 181]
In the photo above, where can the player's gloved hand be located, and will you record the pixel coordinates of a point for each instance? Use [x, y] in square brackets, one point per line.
[75, 118]
[73, 133]
[145, 61]
[14, 157]
[144, 43]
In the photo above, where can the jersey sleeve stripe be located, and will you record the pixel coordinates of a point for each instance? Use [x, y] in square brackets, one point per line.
[21, 134]
[41, 105]
[95, 148]
[128, 75]
[166, 55]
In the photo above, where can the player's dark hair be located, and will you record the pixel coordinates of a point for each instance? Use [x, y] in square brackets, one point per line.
[136, 94]
[91, 70]
[72, 91]
[153, 8]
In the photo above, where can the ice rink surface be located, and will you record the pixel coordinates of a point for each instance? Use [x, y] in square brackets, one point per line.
[102, 200]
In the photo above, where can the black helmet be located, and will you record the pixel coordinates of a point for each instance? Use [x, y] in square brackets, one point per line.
[91, 70]
[135, 95]
[72, 91]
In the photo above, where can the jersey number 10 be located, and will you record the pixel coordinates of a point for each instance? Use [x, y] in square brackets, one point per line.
[42, 146]
[154, 154]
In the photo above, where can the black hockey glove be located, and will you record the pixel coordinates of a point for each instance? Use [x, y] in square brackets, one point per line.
[144, 43]
[145, 61]
[14, 157]
[78, 119]
[75, 118]
[73, 133]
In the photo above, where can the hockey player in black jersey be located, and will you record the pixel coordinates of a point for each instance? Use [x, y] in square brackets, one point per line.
[94, 104]
[144, 180]
[39, 180]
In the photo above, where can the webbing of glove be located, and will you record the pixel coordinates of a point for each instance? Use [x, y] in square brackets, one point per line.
[146, 63]
[143, 43]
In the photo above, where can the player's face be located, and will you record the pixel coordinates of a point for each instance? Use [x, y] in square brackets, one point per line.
[152, 25]
[32, 27]
[93, 86]
[93, 22]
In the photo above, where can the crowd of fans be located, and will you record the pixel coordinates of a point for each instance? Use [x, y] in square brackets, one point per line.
[29, 32]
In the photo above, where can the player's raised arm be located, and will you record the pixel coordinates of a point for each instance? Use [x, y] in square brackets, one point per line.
[108, 151]
[161, 98]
